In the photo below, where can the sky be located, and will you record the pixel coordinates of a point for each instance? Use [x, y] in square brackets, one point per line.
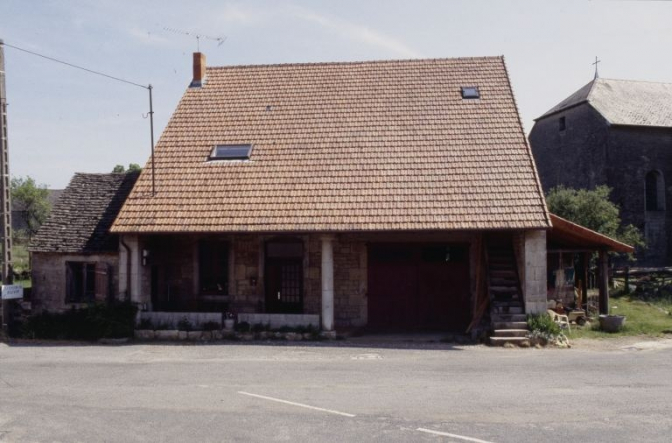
[63, 120]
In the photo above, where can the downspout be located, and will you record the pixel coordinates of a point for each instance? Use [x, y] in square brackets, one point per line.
[127, 295]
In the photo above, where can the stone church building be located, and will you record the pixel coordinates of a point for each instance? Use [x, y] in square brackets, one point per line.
[616, 133]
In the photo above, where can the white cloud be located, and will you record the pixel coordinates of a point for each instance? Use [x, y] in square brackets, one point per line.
[362, 34]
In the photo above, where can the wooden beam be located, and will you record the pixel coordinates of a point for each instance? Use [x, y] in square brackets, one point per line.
[603, 265]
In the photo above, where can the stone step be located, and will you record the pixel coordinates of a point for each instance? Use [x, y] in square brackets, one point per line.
[501, 256]
[503, 289]
[509, 325]
[501, 262]
[499, 281]
[507, 303]
[508, 317]
[504, 310]
[504, 274]
[510, 332]
[516, 341]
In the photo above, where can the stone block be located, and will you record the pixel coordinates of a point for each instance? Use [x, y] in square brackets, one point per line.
[329, 335]
[144, 334]
[194, 335]
[171, 334]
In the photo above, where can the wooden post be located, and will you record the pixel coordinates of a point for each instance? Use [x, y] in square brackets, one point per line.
[585, 257]
[604, 282]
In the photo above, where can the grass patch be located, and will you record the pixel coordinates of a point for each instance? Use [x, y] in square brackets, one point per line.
[651, 318]
[27, 284]
[20, 259]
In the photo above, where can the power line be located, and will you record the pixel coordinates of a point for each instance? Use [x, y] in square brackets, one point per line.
[91, 71]
[72, 65]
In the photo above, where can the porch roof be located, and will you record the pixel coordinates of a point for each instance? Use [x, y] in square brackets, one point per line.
[568, 235]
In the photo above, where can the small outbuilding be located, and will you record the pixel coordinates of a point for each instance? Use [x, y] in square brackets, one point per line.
[569, 248]
[75, 258]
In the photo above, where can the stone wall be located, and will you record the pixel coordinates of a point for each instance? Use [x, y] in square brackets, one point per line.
[177, 258]
[49, 278]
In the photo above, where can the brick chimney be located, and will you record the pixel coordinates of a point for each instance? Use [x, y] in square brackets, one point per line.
[199, 70]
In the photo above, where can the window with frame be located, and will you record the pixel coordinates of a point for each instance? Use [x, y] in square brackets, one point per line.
[470, 92]
[231, 152]
[80, 282]
[213, 267]
[655, 191]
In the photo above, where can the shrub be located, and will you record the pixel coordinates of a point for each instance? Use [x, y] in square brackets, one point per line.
[163, 326]
[115, 320]
[211, 326]
[184, 325]
[543, 323]
[261, 327]
[243, 326]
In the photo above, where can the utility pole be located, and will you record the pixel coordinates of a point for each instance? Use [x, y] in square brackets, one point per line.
[5, 195]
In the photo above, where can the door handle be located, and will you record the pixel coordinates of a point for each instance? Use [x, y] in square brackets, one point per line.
[278, 295]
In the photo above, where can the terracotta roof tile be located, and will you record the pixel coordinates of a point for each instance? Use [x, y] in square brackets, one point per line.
[343, 146]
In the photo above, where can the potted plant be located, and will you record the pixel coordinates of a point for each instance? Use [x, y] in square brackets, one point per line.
[611, 322]
[229, 321]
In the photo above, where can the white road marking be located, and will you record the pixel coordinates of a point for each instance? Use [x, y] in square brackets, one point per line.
[445, 434]
[330, 411]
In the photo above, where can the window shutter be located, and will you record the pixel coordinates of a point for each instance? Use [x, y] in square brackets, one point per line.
[102, 282]
[70, 292]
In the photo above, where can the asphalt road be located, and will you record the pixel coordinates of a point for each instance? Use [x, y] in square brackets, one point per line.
[340, 392]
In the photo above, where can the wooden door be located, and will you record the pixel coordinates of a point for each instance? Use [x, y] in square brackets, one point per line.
[284, 276]
[418, 286]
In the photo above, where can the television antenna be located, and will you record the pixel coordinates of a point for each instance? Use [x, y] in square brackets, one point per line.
[220, 40]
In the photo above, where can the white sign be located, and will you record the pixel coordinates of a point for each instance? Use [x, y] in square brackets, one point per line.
[11, 292]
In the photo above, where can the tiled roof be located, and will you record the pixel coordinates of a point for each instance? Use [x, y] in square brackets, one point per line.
[343, 146]
[80, 220]
[624, 102]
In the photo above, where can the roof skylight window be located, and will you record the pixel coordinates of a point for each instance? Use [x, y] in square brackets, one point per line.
[231, 152]
[470, 92]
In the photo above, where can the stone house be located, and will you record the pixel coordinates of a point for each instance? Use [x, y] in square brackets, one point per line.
[388, 194]
[75, 259]
[616, 133]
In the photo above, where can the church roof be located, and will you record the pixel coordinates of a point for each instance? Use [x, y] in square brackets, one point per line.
[624, 102]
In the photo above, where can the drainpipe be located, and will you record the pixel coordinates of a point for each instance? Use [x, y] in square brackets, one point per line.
[127, 295]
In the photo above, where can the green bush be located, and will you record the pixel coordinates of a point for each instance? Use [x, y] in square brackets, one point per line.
[243, 326]
[261, 327]
[543, 323]
[211, 326]
[116, 320]
[184, 324]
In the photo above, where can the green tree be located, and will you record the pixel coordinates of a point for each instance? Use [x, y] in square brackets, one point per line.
[33, 201]
[594, 210]
[132, 167]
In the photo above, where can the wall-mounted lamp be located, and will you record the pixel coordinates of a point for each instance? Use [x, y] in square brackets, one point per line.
[253, 281]
[145, 257]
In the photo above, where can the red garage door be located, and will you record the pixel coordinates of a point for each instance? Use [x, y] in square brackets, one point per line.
[418, 286]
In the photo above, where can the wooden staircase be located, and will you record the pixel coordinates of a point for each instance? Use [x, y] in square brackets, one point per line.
[507, 312]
